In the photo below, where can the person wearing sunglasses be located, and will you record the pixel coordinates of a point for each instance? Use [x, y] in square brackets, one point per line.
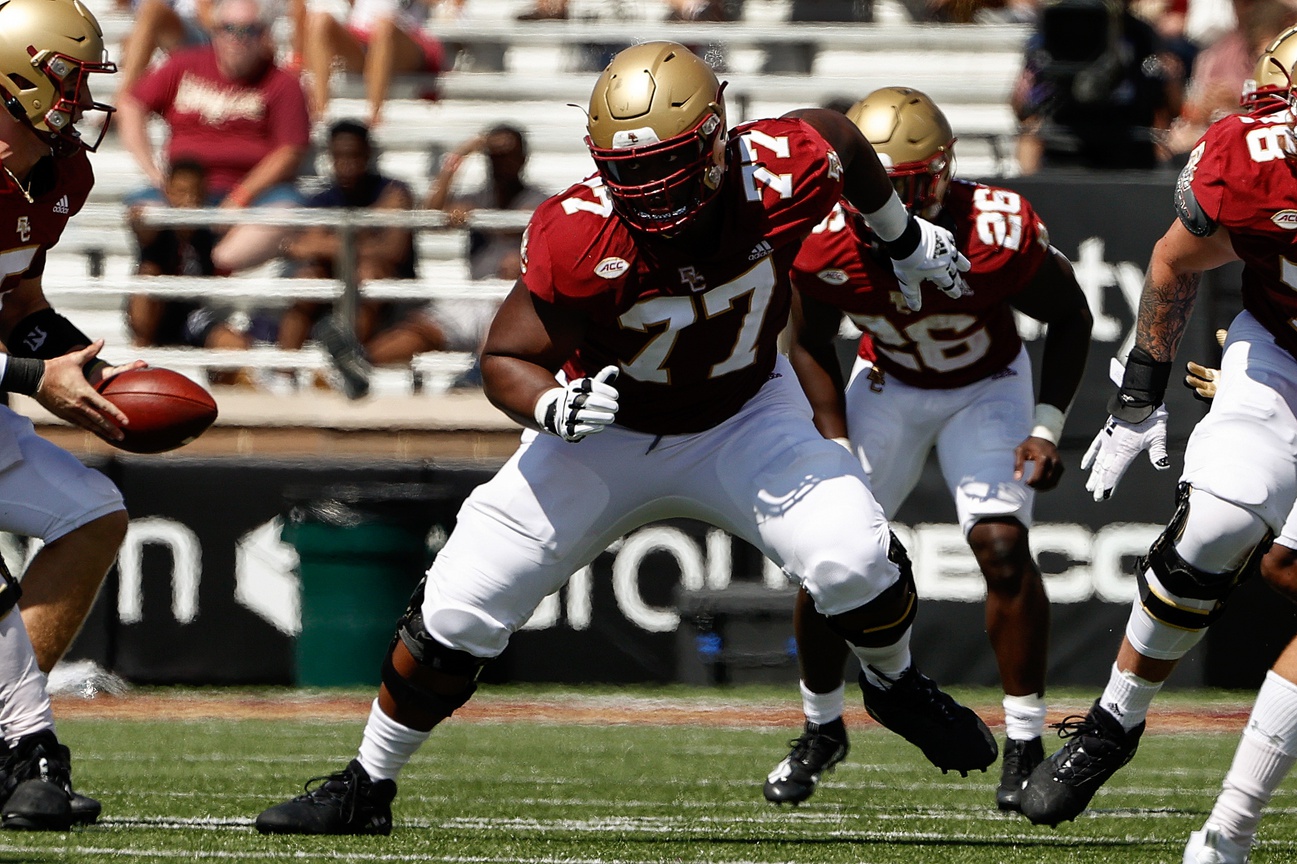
[229, 108]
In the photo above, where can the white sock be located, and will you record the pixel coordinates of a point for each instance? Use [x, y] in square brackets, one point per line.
[387, 746]
[1266, 753]
[1127, 697]
[821, 708]
[24, 701]
[1024, 716]
[890, 661]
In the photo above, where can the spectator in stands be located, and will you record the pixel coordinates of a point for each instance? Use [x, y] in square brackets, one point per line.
[491, 255]
[178, 252]
[450, 325]
[1098, 89]
[162, 25]
[379, 38]
[381, 253]
[232, 110]
[1223, 66]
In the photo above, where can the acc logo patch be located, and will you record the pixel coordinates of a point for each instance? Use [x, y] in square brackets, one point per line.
[834, 277]
[611, 268]
[1286, 219]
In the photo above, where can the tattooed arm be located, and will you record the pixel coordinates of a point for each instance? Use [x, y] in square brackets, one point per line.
[1138, 417]
[1171, 286]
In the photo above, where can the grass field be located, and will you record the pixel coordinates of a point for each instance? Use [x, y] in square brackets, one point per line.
[615, 790]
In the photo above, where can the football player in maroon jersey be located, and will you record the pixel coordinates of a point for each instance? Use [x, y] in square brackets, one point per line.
[1267, 750]
[953, 376]
[48, 51]
[654, 291]
[1234, 200]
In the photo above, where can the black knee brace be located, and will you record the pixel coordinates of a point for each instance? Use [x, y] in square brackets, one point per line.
[901, 594]
[1182, 579]
[429, 654]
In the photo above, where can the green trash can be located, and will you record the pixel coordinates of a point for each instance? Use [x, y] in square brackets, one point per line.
[362, 549]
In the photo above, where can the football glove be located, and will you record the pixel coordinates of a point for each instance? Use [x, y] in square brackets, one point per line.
[1117, 445]
[580, 408]
[1203, 380]
[936, 260]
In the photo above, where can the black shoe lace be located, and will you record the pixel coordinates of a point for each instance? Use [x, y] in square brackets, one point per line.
[1076, 725]
[340, 787]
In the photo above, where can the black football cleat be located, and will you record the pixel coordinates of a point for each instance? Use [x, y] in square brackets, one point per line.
[1059, 788]
[953, 737]
[1019, 760]
[37, 787]
[85, 810]
[817, 750]
[348, 802]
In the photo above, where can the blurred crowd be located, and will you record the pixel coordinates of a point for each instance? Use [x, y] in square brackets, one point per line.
[1104, 84]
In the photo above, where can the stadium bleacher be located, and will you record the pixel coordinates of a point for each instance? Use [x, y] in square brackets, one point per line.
[530, 74]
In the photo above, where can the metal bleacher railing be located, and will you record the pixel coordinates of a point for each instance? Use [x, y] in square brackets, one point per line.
[433, 370]
[527, 72]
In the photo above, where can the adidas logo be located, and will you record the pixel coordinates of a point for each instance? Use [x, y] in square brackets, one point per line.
[62, 206]
[759, 251]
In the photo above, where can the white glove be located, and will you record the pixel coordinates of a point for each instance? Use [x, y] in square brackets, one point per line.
[583, 407]
[1117, 445]
[936, 260]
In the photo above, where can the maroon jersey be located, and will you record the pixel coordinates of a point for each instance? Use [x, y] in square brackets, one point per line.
[28, 228]
[949, 342]
[1242, 178]
[693, 327]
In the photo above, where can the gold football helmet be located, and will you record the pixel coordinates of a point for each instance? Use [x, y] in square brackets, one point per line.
[48, 49]
[914, 141]
[1270, 86]
[658, 135]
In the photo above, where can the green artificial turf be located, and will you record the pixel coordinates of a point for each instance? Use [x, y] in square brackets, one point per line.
[598, 794]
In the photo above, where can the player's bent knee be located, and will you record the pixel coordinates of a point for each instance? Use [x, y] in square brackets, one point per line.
[883, 620]
[1176, 593]
[426, 679]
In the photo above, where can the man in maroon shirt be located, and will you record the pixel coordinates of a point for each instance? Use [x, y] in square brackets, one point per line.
[666, 271]
[232, 110]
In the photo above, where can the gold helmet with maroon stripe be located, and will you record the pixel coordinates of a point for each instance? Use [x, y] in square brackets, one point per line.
[914, 140]
[48, 50]
[657, 134]
[1270, 86]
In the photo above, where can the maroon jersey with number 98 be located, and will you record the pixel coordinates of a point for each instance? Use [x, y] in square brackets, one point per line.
[693, 327]
[1243, 178]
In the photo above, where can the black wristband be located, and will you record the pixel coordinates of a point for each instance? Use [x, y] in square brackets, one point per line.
[22, 375]
[1143, 387]
[45, 334]
[904, 246]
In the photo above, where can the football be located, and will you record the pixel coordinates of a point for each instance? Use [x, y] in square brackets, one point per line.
[166, 410]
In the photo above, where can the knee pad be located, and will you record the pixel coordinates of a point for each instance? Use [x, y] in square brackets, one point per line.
[433, 656]
[1178, 594]
[901, 594]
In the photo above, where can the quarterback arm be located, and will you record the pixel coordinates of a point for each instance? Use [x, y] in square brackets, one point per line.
[33, 330]
[1053, 297]
[529, 340]
[815, 360]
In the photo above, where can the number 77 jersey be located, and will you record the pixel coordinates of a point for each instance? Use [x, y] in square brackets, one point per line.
[693, 326]
[949, 342]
